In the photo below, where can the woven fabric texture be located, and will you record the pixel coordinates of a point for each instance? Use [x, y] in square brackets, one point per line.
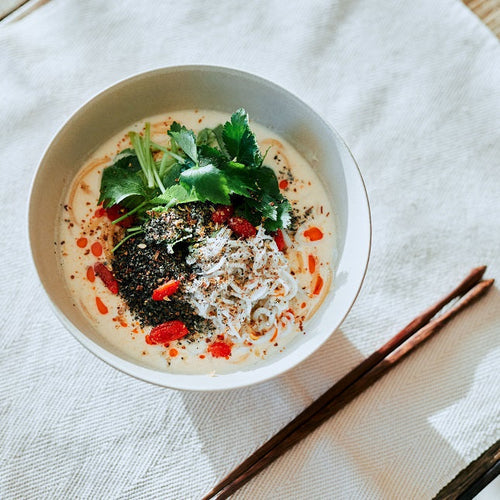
[414, 89]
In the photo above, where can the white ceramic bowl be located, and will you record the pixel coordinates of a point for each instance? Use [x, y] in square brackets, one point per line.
[221, 89]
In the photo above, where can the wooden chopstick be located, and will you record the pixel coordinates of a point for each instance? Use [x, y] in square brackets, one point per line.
[356, 381]
[356, 388]
[476, 476]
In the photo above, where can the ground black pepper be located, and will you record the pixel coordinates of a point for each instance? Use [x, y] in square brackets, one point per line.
[181, 223]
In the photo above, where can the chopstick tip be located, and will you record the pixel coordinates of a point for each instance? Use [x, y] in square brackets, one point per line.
[479, 270]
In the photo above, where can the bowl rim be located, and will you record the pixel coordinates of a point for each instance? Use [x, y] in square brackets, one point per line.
[184, 382]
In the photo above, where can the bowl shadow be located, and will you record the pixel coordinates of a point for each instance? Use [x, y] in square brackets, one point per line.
[382, 432]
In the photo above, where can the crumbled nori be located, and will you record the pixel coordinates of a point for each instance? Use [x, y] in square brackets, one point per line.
[142, 263]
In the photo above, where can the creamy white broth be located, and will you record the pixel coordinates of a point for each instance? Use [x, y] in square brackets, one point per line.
[298, 183]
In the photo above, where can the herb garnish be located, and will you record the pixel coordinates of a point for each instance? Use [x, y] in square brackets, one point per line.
[222, 165]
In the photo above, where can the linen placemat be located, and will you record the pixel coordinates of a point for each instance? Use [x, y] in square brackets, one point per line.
[414, 89]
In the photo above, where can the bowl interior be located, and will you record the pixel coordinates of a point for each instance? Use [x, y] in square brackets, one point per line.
[220, 89]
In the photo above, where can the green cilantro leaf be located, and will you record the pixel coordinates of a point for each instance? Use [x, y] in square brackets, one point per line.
[206, 137]
[171, 176]
[123, 183]
[239, 140]
[246, 209]
[268, 182]
[220, 140]
[173, 196]
[240, 178]
[211, 156]
[283, 217]
[266, 205]
[127, 158]
[185, 139]
[209, 183]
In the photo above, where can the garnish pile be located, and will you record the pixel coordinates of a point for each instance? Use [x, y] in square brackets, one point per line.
[171, 199]
[221, 165]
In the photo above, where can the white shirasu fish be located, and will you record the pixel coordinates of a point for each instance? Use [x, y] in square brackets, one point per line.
[243, 286]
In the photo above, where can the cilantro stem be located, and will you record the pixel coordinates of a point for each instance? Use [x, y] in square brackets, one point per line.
[158, 180]
[151, 162]
[173, 145]
[142, 146]
[138, 144]
[168, 152]
[264, 157]
[146, 144]
[130, 212]
[122, 241]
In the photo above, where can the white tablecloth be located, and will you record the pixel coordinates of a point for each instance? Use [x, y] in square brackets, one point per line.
[414, 88]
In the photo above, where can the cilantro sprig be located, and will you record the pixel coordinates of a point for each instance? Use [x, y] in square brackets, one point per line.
[222, 165]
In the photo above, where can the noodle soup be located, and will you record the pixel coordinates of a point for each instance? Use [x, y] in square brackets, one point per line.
[242, 292]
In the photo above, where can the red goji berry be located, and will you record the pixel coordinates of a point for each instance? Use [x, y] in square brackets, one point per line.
[166, 332]
[222, 213]
[165, 290]
[116, 211]
[280, 240]
[106, 276]
[99, 212]
[241, 227]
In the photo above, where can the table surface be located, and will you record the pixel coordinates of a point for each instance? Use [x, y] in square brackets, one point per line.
[487, 467]
[488, 11]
